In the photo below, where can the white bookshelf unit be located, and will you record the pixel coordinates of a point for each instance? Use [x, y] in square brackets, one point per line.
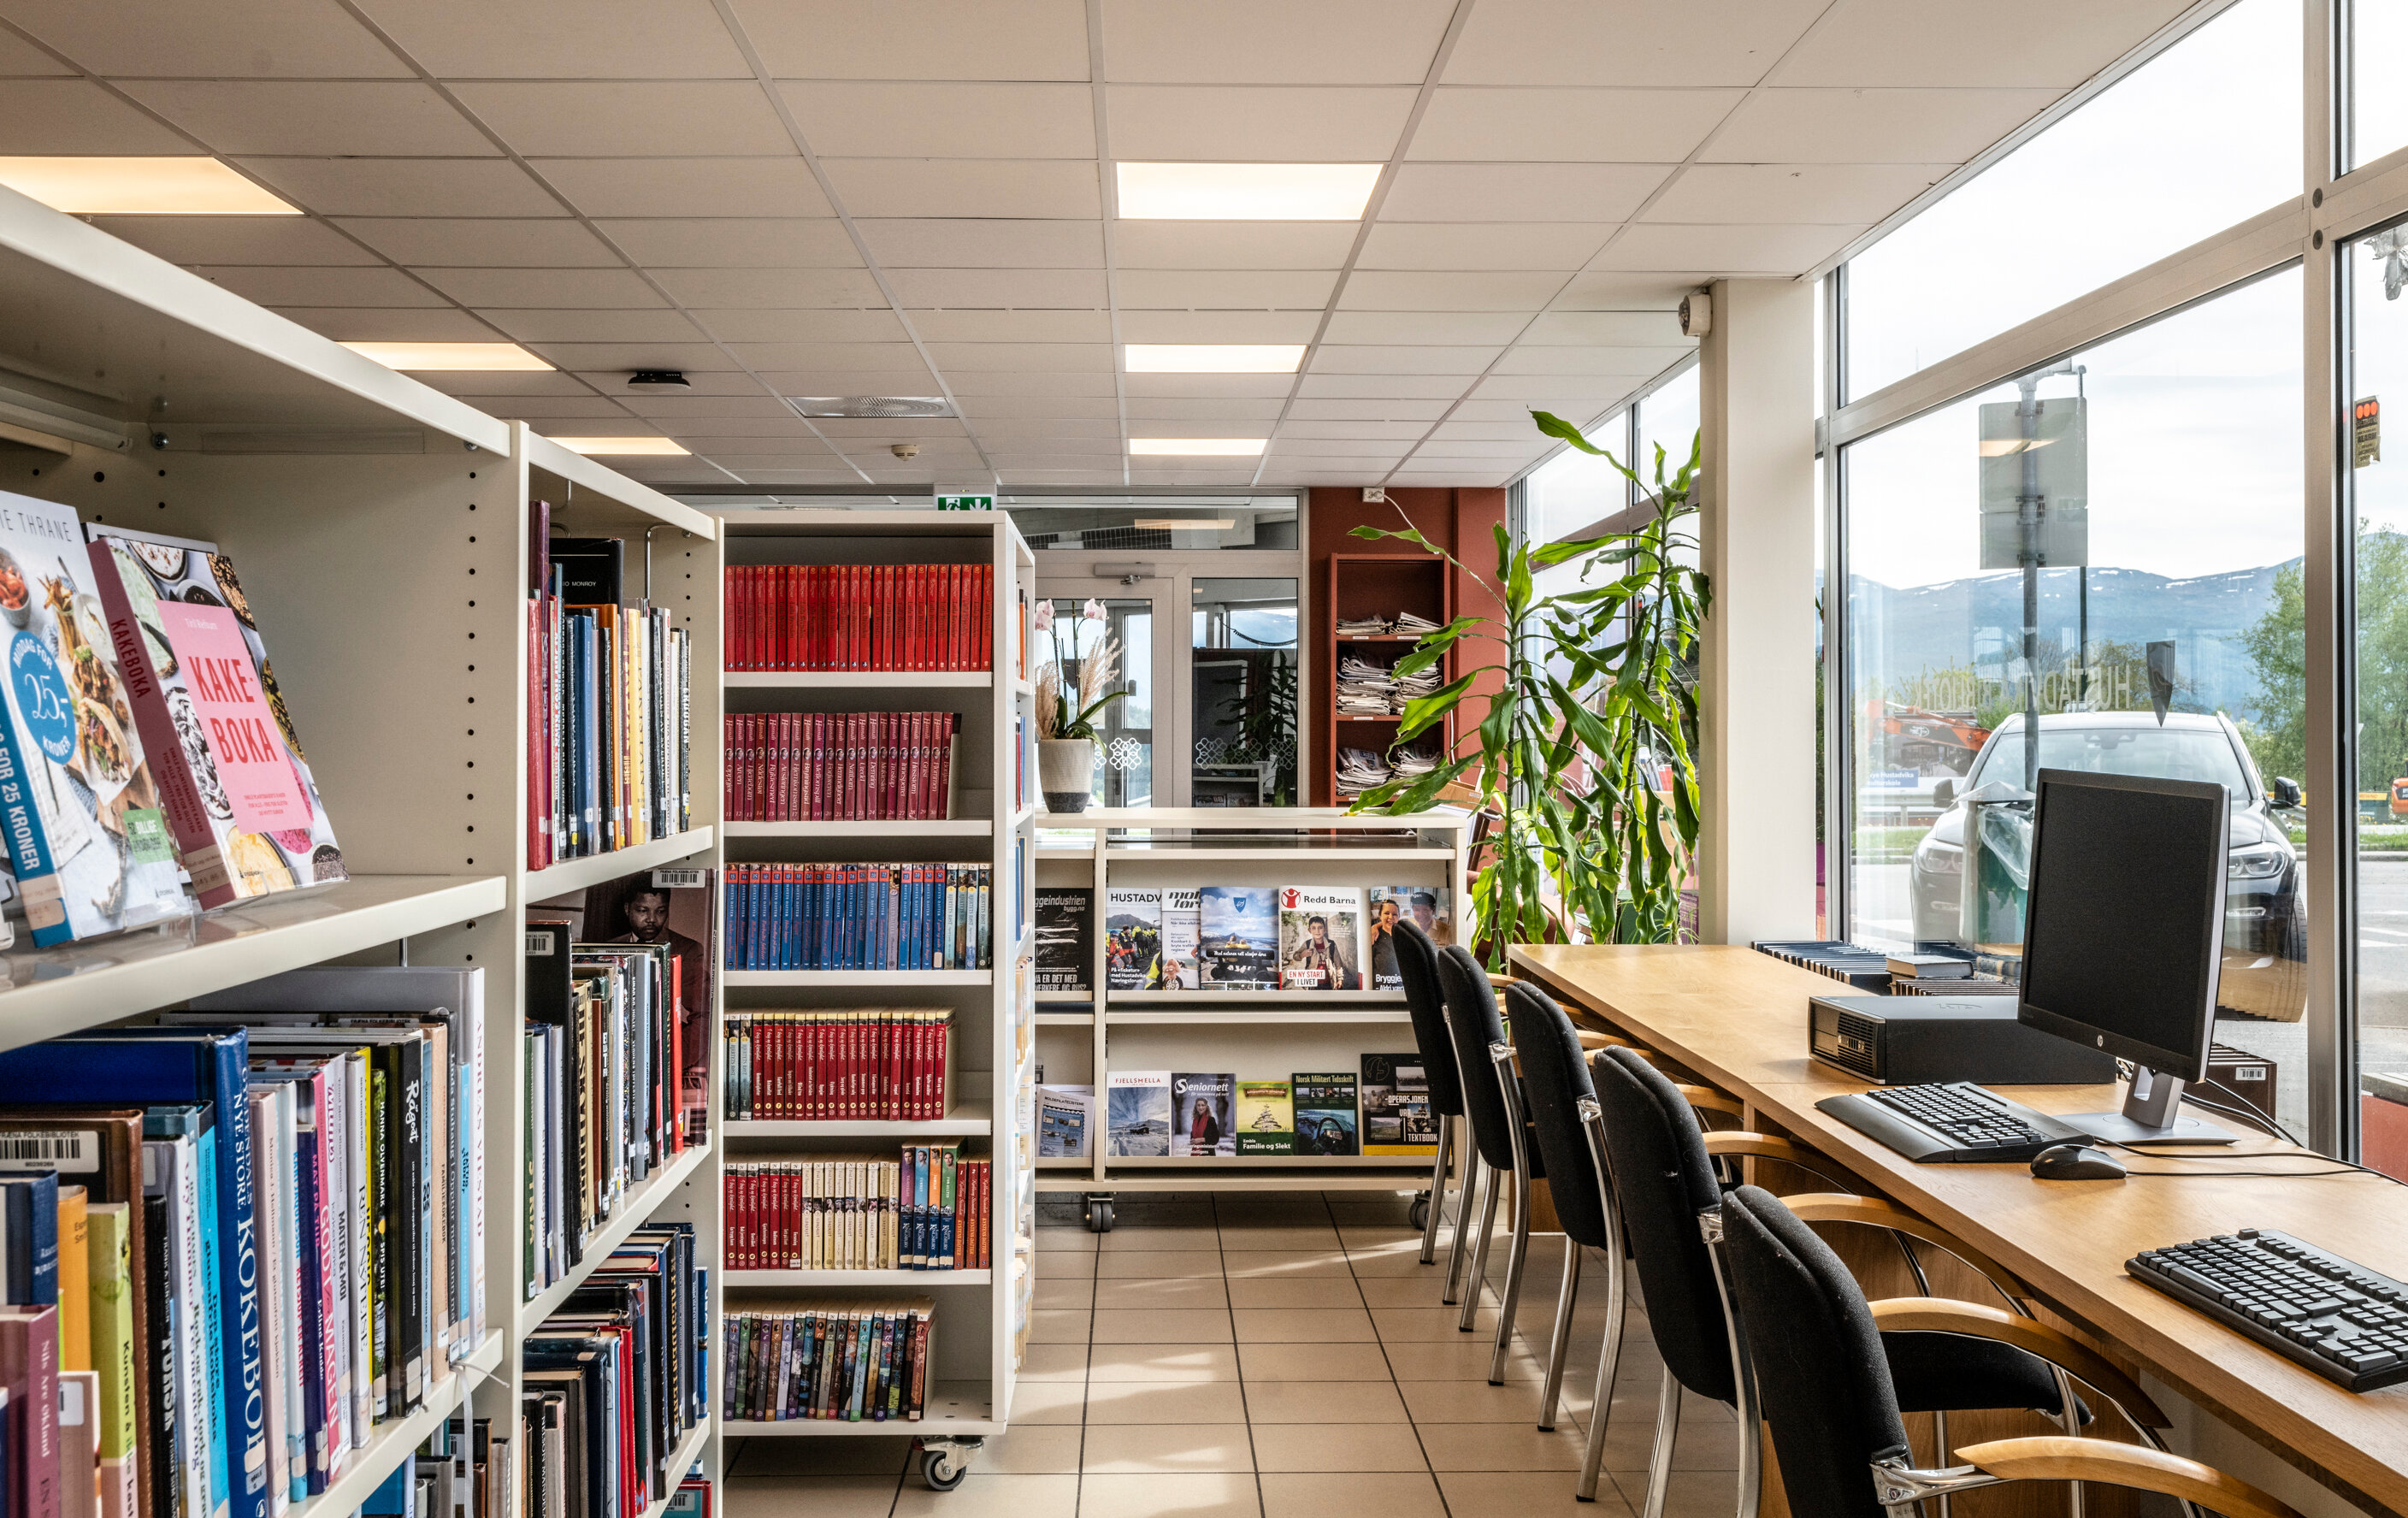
[1266, 1034]
[980, 1324]
[380, 528]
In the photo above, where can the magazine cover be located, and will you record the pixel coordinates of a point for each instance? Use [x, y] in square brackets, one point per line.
[1238, 937]
[670, 907]
[1132, 937]
[88, 838]
[1064, 950]
[1425, 904]
[1266, 1118]
[1396, 1117]
[1137, 1114]
[1063, 1119]
[237, 790]
[1381, 959]
[1179, 928]
[1324, 1113]
[1203, 1114]
[1321, 938]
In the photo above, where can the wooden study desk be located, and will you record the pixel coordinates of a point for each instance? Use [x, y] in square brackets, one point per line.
[1737, 1019]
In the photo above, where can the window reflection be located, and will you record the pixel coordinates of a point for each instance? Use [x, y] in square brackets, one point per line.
[1124, 731]
[1243, 648]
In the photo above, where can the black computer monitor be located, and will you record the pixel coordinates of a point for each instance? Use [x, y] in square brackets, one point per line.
[2123, 934]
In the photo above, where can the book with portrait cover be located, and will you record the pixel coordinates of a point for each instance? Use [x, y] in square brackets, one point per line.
[1324, 1113]
[1397, 1116]
[1132, 937]
[1266, 1118]
[1238, 933]
[1137, 1114]
[1321, 938]
[1203, 1114]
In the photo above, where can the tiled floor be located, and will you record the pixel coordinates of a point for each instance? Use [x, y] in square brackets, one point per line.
[1253, 1355]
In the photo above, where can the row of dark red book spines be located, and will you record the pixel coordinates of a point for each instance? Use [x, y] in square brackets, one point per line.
[785, 766]
[814, 1072]
[828, 616]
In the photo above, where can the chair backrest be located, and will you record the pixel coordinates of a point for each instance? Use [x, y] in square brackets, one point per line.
[1663, 1179]
[1821, 1374]
[1471, 1013]
[1417, 966]
[1555, 1079]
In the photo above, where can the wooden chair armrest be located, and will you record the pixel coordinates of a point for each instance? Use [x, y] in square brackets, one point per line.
[1596, 1039]
[1707, 1099]
[1762, 1146]
[1498, 981]
[2059, 1458]
[1874, 1212]
[1938, 1315]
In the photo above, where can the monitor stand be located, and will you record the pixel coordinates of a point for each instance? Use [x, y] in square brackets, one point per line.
[2151, 1106]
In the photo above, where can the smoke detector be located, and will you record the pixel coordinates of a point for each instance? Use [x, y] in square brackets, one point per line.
[870, 408]
[905, 450]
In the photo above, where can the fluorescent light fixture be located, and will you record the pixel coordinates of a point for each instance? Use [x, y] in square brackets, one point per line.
[1245, 191]
[139, 187]
[1187, 525]
[1236, 448]
[626, 447]
[1214, 358]
[449, 355]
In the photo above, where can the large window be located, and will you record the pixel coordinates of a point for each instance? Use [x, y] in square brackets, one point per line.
[2378, 84]
[2206, 133]
[1668, 418]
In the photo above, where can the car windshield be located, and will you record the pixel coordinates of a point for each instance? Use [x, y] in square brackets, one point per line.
[2176, 753]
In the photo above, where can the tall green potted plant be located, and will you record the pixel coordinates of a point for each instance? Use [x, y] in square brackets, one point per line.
[1068, 701]
[1584, 756]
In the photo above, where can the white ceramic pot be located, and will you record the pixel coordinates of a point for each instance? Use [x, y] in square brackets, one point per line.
[1066, 772]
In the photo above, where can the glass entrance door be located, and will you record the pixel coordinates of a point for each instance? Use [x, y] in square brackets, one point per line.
[1087, 627]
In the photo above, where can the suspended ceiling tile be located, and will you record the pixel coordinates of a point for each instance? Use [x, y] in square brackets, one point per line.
[1595, 291]
[236, 239]
[1199, 408]
[44, 117]
[793, 431]
[1639, 42]
[1232, 245]
[1036, 326]
[1783, 249]
[1466, 449]
[369, 325]
[1639, 362]
[554, 327]
[742, 187]
[1071, 290]
[21, 59]
[830, 381]
[1041, 188]
[1489, 432]
[1607, 126]
[1241, 386]
[733, 242]
[1384, 386]
[1294, 427]
[1295, 290]
[1871, 126]
[805, 357]
[2048, 43]
[770, 288]
[1859, 193]
[547, 407]
[851, 432]
[1464, 474]
[314, 118]
[1485, 192]
[1607, 329]
[982, 408]
[1065, 477]
[1426, 327]
[693, 357]
[566, 39]
[931, 119]
[321, 285]
[406, 186]
[434, 241]
[1245, 123]
[975, 383]
[1273, 41]
[1382, 290]
[965, 243]
[778, 325]
[581, 289]
[1558, 392]
[615, 118]
[929, 39]
[1462, 245]
[746, 404]
[1002, 432]
[1154, 326]
[1309, 409]
[490, 383]
[209, 38]
[1516, 412]
[1073, 358]
[1399, 359]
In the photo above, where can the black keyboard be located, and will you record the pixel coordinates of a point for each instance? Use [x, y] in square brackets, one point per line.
[2340, 1320]
[1960, 1122]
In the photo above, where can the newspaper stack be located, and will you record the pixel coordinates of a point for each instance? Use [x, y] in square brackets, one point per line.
[1420, 683]
[1407, 623]
[1365, 689]
[1359, 769]
[1363, 626]
[1410, 762]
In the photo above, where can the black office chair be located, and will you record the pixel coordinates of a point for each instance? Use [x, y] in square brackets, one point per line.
[1833, 1396]
[1670, 1197]
[1555, 1078]
[1417, 966]
[1496, 1114]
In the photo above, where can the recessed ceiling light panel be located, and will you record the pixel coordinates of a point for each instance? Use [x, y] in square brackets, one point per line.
[1245, 191]
[623, 447]
[1214, 358]
[870, 408]
[139, 187]
[430, 357]
[1240, 447]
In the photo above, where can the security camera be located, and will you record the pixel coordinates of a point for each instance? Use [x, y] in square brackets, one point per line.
[905, 450]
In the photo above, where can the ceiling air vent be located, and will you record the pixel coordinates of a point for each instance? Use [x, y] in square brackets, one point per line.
[877, 408]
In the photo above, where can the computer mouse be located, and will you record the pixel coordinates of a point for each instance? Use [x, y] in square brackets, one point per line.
[2075, 1162]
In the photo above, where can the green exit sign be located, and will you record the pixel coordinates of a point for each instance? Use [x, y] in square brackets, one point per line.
[965, 503]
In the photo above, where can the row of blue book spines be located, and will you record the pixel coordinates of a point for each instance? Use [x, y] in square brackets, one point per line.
[859, 925]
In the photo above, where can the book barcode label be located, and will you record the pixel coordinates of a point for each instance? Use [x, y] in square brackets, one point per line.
[76, 1152]
[538, 945]
[677, 880]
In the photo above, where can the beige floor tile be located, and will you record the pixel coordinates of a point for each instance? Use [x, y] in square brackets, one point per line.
[1314, 1291]
[823, 1496]
[1535, 1495]
[1165, 1403]
[1055, 1362]
[1152, 1292]
[1477, 1402]
[1336, 1447]
[1054, 1291]
[1382, 1236]
[1466, 1358]
[1689, 1493]
[1630, 1441]
[1035, 1402]
[990, 1495]
[1355, 1495]
[1067, 1265]
[1036, 1451]
[1136, 1264]
[1304, 1326]
[1161, 1326]
[1272, 1215]
[1427, 1290]
[1436, 1325]
[1204, 1495]
[1389, 1264]
[1312, 1362]
[1499, 1446]
[1058, 1326]
[1281, 1236]
[1324, 1402]
[1136, 1448]
[1066, 1242]
[1124, 1239]
[877, 1455]
[1285, 1264]
[1162, 1362]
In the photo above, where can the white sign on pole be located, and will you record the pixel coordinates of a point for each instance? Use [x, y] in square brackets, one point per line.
[2054, 463]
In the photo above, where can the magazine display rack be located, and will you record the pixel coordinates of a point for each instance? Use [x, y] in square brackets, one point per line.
[380, 527]
[1254, 1035]
[979, 1321]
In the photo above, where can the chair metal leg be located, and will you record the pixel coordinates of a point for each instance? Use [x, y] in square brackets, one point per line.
[1940, 1451]
[2069, 1417]
[1667, 1429]
[1516, 1256]
[1438, 1192]
[1609, 1364]
[1466, 1193]
[1479, 1278]
[1561, 1339]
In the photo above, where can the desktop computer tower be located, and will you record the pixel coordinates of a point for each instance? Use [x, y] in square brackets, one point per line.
[1918, 1040]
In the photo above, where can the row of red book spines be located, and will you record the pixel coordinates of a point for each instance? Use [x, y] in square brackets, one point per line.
[849, 1072]
[822, 767]
[765, 1219]
[860, 617]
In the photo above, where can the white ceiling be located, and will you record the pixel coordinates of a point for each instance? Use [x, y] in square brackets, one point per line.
[821, 197]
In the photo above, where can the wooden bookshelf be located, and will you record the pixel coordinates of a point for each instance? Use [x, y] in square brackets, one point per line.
[1363, 586]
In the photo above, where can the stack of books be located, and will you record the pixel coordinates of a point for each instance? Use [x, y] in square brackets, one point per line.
[867, 1064]
[465, 1469]
[859, 1361]
[926, 1210]
[858, 917]
[841, 766]
[887, 616]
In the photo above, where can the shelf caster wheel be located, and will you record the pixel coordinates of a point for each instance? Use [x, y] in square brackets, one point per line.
[1099, 1214]
[1419, 1216]
[943, 1465]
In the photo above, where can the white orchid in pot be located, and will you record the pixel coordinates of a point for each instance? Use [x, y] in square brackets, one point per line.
[1067, 706]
